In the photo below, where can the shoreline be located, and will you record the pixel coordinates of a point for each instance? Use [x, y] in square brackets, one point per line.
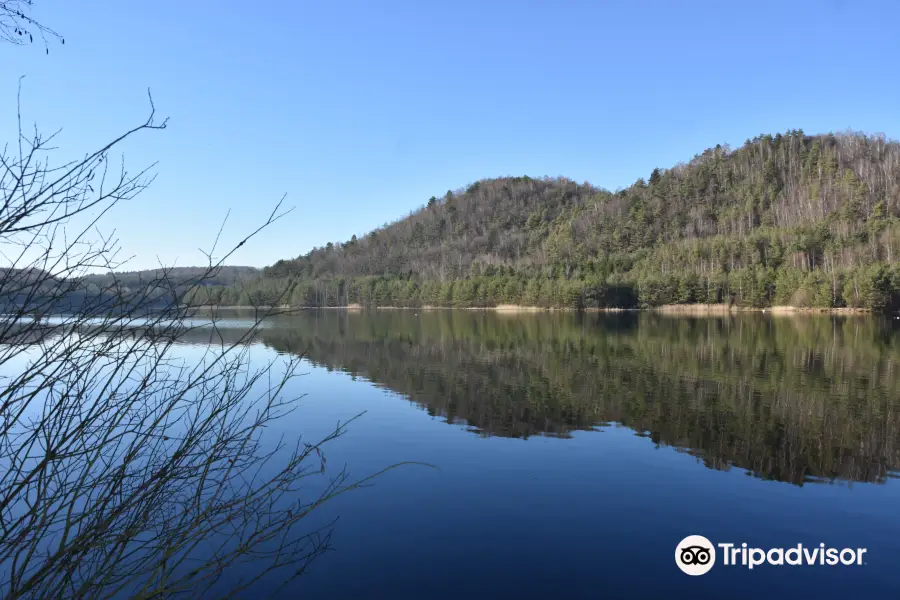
[665, 309]
[723, 309]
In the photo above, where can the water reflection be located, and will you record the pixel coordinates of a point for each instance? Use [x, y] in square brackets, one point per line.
[799, 400]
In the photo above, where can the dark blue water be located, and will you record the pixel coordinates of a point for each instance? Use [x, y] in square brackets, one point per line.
[571, 454]
[567, 455]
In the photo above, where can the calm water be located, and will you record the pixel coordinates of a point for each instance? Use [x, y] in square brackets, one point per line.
[574, 452]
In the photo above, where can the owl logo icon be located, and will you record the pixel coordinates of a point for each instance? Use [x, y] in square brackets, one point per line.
[695, 555]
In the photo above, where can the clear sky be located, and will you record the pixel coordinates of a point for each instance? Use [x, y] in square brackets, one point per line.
[360, 111]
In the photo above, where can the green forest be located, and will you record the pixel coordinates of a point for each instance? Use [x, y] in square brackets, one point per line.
[786, 219]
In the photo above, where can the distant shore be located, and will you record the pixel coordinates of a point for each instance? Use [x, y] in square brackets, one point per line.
[669, 309]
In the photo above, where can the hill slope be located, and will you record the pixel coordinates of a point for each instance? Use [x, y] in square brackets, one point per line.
[785, 219]
[223, 275]
[34, 290]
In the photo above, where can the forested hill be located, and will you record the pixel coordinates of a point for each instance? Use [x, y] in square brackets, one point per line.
[221, 275]
[34, 290]
[784, 219]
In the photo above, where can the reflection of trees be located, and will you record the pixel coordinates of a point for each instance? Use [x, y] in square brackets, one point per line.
[792, 399]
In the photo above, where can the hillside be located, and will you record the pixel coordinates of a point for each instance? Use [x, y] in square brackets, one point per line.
[222, 276]
[34, 290]
[784, 219]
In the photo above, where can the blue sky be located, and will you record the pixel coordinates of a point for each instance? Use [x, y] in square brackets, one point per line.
[360, 111]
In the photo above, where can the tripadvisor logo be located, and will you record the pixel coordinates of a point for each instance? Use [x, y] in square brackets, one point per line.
[696, 555]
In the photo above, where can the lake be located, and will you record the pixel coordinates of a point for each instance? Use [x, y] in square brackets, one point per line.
[573, 452]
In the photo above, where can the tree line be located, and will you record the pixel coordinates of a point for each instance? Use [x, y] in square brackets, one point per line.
[793, 219]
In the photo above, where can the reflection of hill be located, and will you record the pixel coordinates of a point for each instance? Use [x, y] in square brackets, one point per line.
[792, 399]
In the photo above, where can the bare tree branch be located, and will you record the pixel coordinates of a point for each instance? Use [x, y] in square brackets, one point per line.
[18, 27]
[125, 470]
